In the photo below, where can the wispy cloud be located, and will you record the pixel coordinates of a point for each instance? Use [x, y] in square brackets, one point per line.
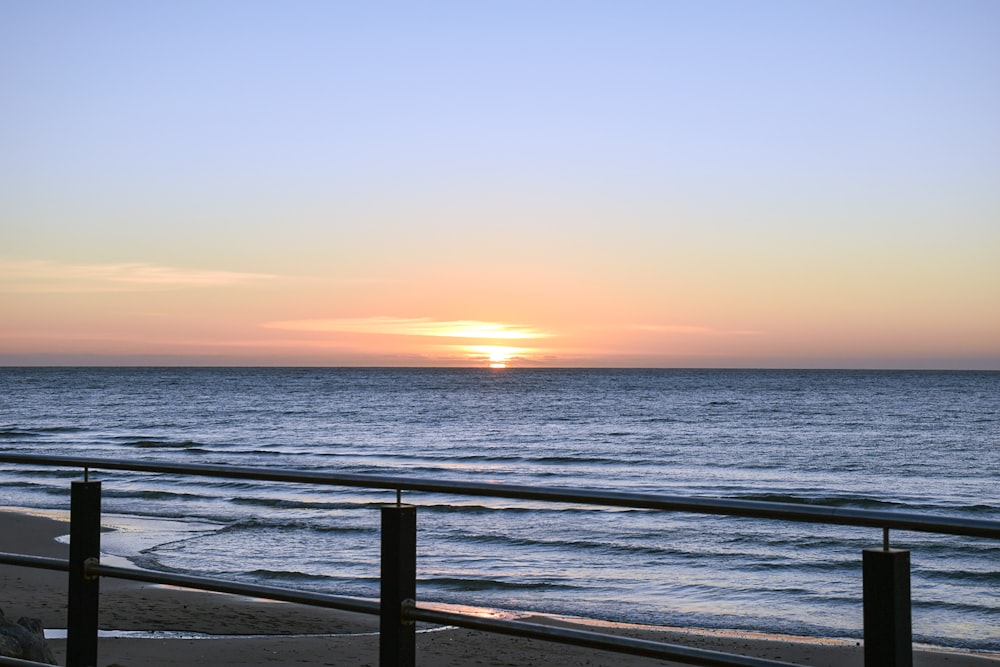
[693, 330]
[418, 326]
[48, 276]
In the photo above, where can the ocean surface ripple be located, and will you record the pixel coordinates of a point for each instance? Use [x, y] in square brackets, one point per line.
[894, 440]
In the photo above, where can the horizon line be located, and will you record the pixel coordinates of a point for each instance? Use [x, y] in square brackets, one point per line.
[195, 366]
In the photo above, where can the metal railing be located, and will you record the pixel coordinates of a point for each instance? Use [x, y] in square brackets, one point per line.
[886, 578]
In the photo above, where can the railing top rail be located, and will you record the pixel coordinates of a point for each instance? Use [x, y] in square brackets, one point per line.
[947, 525]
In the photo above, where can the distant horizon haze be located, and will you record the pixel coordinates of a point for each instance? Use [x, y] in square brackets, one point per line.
[167, 361]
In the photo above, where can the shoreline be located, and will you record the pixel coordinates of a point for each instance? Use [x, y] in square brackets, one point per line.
[256, 631]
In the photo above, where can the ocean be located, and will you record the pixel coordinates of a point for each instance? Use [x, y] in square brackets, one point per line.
[918, 441]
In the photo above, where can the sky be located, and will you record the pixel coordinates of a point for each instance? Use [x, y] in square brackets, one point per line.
[539, 184]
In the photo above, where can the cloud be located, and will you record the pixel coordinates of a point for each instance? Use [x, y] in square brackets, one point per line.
[47, 276]
[694, 330]
[419, 326]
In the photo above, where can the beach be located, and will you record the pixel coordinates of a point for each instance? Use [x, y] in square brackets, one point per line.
[254, 632]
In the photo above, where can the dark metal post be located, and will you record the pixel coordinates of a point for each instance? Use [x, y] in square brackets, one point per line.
[888, 632]
[84, 545]
[397, 635]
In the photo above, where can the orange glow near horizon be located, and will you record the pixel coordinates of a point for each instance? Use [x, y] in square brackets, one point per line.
[481, 339]
[412, 326]
[497, 356]
[160, 314]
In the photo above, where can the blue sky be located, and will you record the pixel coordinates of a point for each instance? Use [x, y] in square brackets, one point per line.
[668, 155]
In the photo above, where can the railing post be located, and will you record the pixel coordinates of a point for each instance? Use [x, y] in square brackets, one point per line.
[397, 635]
[888, 632]
[84, 545]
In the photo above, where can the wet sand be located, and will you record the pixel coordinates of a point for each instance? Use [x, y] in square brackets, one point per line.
[339, 638]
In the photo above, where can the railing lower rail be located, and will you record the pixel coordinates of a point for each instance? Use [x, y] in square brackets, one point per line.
[886, 589]
[587, 639]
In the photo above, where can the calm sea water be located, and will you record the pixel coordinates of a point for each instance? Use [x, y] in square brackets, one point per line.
[915, 441]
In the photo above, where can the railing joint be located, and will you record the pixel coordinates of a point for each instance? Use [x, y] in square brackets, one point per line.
[406, 608]
[88, 569]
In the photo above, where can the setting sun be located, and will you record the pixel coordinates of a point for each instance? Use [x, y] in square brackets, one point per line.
[498, 356]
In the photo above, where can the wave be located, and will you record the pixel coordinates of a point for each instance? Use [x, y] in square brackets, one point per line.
[576, 545]
[287, 503]
[446, 508]
[150, 494]
[832, 565]
[38, 473]
[40, 487]
[581, 459]
[962, 577]
[286, 575]
[554, 510]
[260, 452]
[457, 456]
[295, 525]
[946, 547]
[44, 489]
[833, 501]
[961, 608]
[17, 432]
[468, 585]
[868, 503]
[186, 445]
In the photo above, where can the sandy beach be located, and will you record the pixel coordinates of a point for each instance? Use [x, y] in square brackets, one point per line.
[255, 632]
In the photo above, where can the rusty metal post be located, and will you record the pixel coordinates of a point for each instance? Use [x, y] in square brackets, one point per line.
[397, 635]
[888, 630]
[84, 545]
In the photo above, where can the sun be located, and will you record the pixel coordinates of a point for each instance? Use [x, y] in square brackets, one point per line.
[500, 357]
[499, 360]
[497, 356]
